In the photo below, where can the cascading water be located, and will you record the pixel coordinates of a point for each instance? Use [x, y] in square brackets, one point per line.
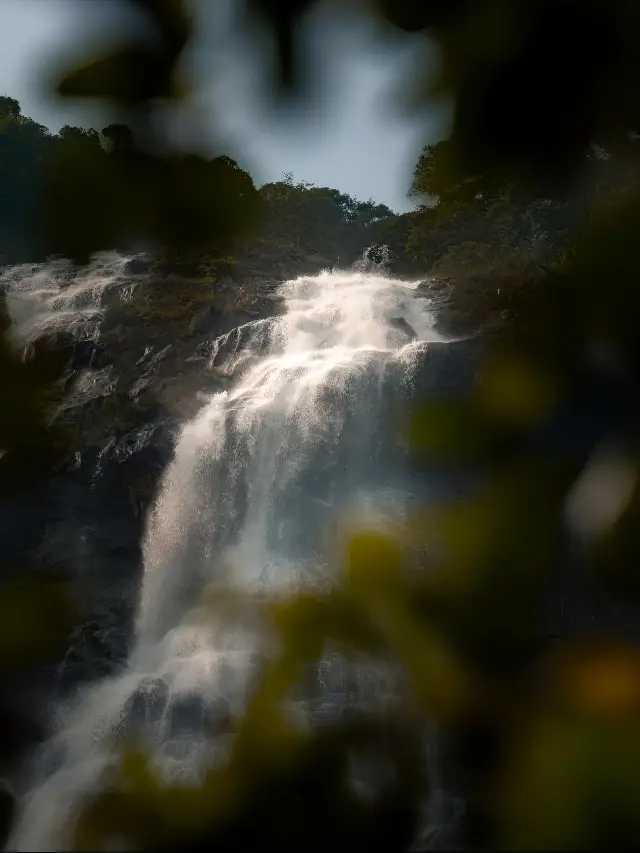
[53, 296]
[253, 499]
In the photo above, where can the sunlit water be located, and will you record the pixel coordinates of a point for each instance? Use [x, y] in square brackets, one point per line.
[54, 296]
[262, 483]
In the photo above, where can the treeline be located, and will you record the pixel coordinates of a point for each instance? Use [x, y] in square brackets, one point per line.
[39, 171]
[82, 178]
[320, 220]
[479, 225]
[484, 223]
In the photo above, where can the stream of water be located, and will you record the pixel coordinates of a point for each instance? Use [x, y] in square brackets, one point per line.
[260, 483]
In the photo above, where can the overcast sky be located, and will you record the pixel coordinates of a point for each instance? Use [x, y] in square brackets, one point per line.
[348, 138]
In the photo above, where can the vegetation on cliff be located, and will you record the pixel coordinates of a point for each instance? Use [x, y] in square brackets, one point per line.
[489, 242]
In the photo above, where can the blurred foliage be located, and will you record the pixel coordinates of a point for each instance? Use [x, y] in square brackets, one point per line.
[539, 174]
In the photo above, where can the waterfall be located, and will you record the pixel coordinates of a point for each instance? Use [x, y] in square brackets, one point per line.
[55, 296]
[261, 480]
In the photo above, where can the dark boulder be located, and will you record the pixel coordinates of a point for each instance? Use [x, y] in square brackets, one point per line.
[401, 324]
[148, 703]
[138, 266]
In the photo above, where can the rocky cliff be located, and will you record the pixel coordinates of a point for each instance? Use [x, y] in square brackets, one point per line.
[138, 346]
[144, 344]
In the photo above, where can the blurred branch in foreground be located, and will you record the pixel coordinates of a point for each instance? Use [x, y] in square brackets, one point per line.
[546, 727]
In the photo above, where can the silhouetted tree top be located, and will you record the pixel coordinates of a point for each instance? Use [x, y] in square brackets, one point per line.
[9, 107]
[120, 136]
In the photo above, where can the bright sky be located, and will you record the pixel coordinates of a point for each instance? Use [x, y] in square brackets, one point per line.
[348, 138]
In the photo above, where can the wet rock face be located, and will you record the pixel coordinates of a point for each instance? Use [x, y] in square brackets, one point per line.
[138, 265]
[147, 704]
[96, 528]
[129, 386]
[459, 307]
[87, 523]
[131, 380]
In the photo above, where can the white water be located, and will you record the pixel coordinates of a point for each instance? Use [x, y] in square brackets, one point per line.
[49, 297]
[253, 499]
